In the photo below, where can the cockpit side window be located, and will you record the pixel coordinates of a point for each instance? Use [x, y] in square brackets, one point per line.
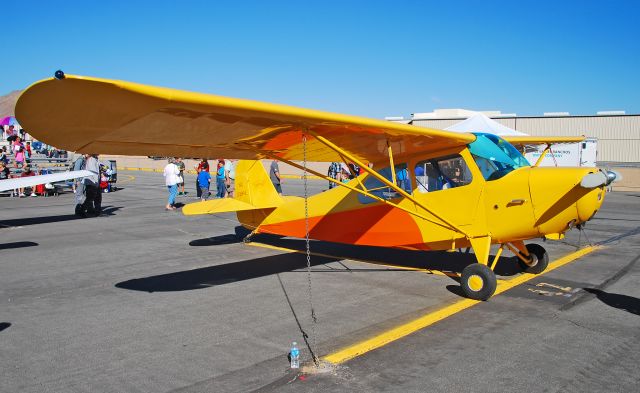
[375, 186]
[441, 173]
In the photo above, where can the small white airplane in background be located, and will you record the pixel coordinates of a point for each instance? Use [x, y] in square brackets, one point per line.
[30, 181]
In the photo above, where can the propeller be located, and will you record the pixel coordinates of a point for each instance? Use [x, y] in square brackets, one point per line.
[600, 178]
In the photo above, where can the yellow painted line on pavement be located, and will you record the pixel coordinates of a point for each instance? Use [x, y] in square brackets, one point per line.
[406, 329]
[130, 179]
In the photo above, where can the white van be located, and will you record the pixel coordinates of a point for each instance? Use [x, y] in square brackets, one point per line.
[565, 154]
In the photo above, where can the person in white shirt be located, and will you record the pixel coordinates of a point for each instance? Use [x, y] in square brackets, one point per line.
[93, 200]
[171, 173]
[229, 175]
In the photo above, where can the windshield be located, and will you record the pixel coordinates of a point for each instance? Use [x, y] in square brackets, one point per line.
[495, 157]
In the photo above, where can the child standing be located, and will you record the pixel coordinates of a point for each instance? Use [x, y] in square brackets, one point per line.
[220, 180]
[204, 178]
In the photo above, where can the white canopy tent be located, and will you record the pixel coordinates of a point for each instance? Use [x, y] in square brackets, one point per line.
[481, 123]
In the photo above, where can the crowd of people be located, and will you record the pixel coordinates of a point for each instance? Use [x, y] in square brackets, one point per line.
[224, 175]
[342, 172]
[17, 156]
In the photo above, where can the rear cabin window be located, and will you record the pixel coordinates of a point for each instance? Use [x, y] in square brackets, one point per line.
[377, 188]
[441, 173]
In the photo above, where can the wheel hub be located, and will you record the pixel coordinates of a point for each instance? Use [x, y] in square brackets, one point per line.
[475, 282]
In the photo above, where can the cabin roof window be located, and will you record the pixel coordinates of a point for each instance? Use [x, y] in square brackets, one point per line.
[495, 157]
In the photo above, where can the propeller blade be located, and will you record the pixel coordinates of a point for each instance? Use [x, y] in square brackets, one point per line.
[593, 180]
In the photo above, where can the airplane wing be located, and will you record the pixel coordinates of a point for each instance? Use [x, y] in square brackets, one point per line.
[20, 182]
[95, 115]
[540, 140]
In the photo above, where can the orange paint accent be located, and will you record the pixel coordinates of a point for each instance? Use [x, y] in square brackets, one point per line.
[283, 141]
[381, 225]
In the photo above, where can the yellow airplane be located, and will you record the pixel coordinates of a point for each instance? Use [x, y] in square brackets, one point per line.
[422, 188]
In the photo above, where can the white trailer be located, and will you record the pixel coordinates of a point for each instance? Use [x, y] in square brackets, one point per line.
[565, 154]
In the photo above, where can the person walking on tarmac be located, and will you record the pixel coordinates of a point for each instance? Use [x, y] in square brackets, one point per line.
[171, 173]
[93, 201]
[78, 184]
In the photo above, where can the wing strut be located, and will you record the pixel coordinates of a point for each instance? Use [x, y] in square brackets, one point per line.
[358, 190]
[392, 185]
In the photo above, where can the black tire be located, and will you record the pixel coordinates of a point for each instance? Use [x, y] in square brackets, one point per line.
[478, 282]
[540, 259]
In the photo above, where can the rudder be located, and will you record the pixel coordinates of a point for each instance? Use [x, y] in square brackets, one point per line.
[253, 186]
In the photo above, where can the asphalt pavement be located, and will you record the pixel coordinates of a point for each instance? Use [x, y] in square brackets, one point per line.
[145, 300]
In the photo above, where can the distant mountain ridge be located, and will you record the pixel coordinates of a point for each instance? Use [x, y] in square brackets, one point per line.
[8, 103]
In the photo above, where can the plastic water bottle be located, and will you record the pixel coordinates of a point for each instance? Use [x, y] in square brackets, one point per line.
[295, 355]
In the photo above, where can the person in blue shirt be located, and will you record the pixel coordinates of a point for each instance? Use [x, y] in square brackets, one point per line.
[220, 180]
[204, 178]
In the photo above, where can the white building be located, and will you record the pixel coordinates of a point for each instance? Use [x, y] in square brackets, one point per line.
[618, 133]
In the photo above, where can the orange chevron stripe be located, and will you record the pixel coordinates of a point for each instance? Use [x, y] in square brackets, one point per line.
[381, 225]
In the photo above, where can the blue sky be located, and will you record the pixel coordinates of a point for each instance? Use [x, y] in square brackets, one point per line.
[370, 58]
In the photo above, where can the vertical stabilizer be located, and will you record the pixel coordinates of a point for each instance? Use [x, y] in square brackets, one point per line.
[253, 186]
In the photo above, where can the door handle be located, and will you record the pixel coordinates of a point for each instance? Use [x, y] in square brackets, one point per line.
[516, 202]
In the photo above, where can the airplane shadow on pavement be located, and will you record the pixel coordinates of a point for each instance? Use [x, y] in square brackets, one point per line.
[221, 274]
[385, 259]
[444, 261]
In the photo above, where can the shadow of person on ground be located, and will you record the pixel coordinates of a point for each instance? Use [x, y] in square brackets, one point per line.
[4, 325]
[623, 302]
[109, 210]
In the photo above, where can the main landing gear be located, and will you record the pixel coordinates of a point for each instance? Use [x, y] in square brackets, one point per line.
[538, 259]
[478, 281]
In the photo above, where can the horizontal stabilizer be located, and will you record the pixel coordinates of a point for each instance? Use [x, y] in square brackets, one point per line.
[223, 205]
[30, 181]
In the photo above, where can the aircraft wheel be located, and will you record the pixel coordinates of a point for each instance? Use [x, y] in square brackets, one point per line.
[478, 282]
[540, 259]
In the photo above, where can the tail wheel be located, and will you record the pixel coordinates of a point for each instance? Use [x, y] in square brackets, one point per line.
[539, 259]
[478, 282]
